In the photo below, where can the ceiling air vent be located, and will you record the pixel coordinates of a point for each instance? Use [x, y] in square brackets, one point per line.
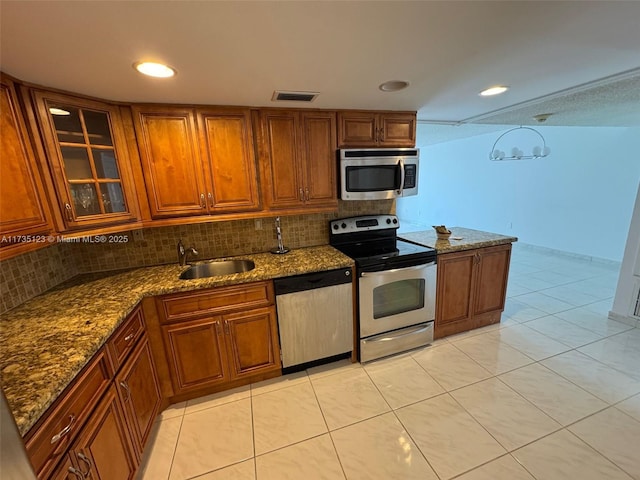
[284, 96]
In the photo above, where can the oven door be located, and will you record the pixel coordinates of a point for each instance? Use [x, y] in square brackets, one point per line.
[396, 298]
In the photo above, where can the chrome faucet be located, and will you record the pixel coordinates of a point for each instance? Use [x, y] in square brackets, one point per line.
[183, 253]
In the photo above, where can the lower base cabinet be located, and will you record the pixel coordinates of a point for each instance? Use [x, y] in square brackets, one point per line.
[471, 289]
[102, 450]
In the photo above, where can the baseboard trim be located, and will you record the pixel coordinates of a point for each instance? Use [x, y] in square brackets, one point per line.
[634, 322]
[588, 258]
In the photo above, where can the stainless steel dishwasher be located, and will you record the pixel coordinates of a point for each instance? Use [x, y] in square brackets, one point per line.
[315, 316]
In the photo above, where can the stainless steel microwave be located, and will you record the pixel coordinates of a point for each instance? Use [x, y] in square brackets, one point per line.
[378, 173]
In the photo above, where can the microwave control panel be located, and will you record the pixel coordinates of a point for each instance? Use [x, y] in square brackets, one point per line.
[409, 176]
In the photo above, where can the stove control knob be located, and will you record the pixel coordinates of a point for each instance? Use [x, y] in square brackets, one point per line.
[335, 226]
[388, 221]
[395, 220]
[344, 225]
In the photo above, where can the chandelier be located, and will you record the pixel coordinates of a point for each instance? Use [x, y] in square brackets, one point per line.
[537, 151]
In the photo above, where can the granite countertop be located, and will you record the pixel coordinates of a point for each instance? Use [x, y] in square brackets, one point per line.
[469, 239]
[45, 342]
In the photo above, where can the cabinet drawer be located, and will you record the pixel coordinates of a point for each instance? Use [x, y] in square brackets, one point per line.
[214, 301]
[66, 417]
[125, 338]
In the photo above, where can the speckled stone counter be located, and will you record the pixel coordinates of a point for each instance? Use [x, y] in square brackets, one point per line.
[460, 239]
[45, 342]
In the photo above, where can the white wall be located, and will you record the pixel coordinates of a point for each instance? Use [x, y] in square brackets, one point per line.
[579, 199]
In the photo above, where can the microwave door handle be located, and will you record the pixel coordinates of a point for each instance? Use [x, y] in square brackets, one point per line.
[401, 164]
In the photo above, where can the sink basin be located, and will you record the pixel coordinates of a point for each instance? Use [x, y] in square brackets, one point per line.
[214, 268]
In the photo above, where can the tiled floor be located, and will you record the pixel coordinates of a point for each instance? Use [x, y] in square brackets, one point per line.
[552, 392]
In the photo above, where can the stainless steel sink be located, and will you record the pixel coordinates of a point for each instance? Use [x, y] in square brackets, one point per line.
[213, 268]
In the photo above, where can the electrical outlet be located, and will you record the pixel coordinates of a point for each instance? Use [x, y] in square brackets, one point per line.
[137, 235]
[258, 223]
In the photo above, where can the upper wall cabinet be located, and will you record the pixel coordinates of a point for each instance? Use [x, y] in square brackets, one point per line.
[197, 162]
[376, 129]
[88, 159]
[22, 209]
[298, 159]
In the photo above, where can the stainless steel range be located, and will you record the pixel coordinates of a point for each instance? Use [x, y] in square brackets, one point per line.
[396, 284]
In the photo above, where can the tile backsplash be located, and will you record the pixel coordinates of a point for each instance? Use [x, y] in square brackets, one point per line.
[33, 273]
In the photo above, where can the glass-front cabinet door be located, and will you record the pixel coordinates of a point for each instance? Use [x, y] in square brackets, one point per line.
[88, 159]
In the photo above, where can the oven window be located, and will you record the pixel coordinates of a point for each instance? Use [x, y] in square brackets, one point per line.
[398, 297]
[378, 178]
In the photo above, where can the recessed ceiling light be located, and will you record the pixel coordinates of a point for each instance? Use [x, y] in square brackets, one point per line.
[154, 69]
[58, 111]
[393, 85]
[497, 90]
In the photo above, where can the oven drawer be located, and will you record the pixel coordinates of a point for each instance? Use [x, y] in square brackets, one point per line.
[401, 340]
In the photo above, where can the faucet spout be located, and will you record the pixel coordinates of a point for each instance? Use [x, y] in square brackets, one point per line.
[183, 253]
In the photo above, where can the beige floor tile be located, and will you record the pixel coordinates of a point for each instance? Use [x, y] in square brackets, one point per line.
[450, 367]
[451, 439]
[313, 459]
[615, 435]
[402, 381]
[380, 449]
[623, 357]
[544, 302]
[521, 312]
[277, 383]
[564, 331]
[332, 368]
[495, 356]
[286, 416]
[240, 471]
[562, 400]
[503, 468]
[161, 446]
[213, 438]
[595, 322]
[562, 456]
[602, 381]
[348, 397]
[215, 399]
[530, 342]
[631, 406]
[172, 411]
[511, 419]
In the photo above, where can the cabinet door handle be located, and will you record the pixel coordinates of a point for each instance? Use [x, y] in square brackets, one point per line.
[381, 135]
[301, 192]
[65, 431]
[68, 212]
[77, 473]
[210, 195]
[130, 337]
[226, 327]
[306, 192]
[203, 204]
[86, 460]
[125, 387]
[218, 328]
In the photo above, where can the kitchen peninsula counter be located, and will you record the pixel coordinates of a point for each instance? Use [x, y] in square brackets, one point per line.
[45, 342]
[460, 239]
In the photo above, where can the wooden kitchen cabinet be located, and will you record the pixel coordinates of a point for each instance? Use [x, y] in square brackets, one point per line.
[23, 209]
[376, 129]
[139, 391]
[196, 161]
[87, 155]
[298, 159]
[471, 288]
[215, 337]
[103, 450]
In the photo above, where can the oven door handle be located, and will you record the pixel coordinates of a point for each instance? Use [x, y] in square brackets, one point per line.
[396, 270]
[405, 333]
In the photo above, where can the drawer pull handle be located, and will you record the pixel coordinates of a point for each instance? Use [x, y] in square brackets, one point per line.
[65, 431]
[129, 337]
[76, 472]
[88, 462]
[124, 385]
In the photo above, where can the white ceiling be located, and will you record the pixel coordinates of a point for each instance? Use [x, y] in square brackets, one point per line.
[238, 53]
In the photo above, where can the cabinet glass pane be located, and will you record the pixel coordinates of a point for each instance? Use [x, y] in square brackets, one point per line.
[68, 127]
[76, 163]
[84, 199]
[105, 162]
[112, 197]
[398, 297]
[98, 130]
